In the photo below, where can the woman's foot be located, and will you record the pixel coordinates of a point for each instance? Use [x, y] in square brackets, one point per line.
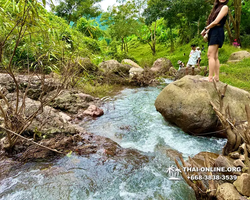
[216, 79]
[207, 79]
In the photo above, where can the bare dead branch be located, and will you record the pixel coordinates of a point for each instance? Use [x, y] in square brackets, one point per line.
[30, 140]
[190, 183]
[212, 187]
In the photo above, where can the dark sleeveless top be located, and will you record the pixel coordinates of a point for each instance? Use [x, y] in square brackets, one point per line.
[216, 34]
[223, 21]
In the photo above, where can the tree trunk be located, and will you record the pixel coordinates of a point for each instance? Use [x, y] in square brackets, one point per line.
[230, 35]
[122, 48]
[171, 40]
[198, 27]
[235, 21]
[126, 45]
[1, 52]
[237, 7]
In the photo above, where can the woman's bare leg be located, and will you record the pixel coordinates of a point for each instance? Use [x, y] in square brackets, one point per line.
[212, 55]
[217, 67]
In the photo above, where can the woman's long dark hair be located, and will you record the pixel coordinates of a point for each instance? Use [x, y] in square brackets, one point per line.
[215, 11]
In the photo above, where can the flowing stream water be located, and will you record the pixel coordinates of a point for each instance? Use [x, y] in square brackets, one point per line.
[132, 121]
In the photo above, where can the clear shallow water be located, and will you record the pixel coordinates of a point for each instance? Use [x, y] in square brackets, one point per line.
[131, 120]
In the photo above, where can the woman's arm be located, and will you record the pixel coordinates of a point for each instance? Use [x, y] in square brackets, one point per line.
[223, 12]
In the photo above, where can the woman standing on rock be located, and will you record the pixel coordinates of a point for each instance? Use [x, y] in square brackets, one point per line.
[215, 30]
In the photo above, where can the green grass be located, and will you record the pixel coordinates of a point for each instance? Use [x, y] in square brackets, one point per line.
[142, 53]
[235, 74]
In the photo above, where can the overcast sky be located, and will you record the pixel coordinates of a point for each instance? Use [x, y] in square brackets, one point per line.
[106, 3]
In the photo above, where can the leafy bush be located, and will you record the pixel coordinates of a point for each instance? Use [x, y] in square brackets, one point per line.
[89, 28]
[245, 41]
[91, 44]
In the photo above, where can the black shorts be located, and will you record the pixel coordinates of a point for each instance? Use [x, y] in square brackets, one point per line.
[216, 36]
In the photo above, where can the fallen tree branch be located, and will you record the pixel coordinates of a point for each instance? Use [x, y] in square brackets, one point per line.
[30, 140]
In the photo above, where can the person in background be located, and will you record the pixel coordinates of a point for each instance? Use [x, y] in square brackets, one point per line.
[181, 64]
[193, 57]
[215, 30]
[199, 57]
[203, 48]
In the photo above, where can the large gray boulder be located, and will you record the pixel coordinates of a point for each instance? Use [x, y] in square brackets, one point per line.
[7, 84]
[162, 65]
[186, 103]
[71, 101]
[189, 71]
[130, 62]
[135, 71]
[109, 65]
[114, 67]
[243, 184]
[238, 56]
[48, 122]
[227, 191]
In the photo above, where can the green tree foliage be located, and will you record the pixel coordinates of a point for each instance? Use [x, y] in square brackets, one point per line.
[153, 33]
[46, 39]
[72, 10]
[186, 15]
[245, 25]
[122, 21]
[90, 28]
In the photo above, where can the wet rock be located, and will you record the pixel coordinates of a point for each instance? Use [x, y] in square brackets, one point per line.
[130, 62]
[172, 71]
[162, 65]
[71, 101]
[227, 163]
[109, 65]
[122, 71]
[227, 191]
[7, 165]
[146, 78]
[239, 163]
[242, 158]
[167, 150]
[113, 68]
[186, 103]
[238, 56]
[199, 159]
[92, 111]
[82, 144]
[188, 71]
[7, 84]
[243, 184]
[135, 71]
[47, 123]
[234, 155]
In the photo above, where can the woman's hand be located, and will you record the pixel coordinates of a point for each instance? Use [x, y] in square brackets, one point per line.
[203, 33]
